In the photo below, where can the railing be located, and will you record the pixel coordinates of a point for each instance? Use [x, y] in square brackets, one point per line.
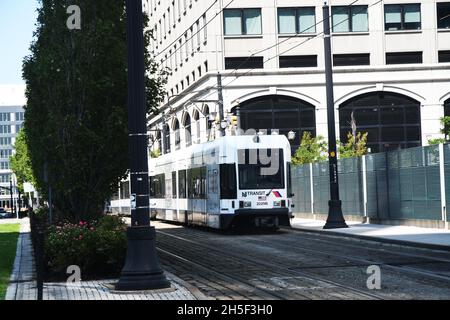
[408, 184]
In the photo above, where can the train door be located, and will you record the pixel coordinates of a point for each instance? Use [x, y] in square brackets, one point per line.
[213, 200]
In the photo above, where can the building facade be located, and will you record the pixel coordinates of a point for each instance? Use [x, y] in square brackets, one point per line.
[391, 68]
[12, 100]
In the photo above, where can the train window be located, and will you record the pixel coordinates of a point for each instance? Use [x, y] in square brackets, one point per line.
[125, 190]
[197, 183]
[228, 189]
[261, 169]
[182, 184]
[289, 179]
[174, 185]
[158, 186]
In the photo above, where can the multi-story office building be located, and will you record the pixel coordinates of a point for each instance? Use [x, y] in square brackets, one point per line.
[12, 100]
[391, 68]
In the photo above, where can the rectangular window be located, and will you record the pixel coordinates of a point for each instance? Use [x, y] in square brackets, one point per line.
[182, 184]
[403, 57]
[5, 153]
[125, 190]
[298, 61]
[197, 183]
[5, 129]
[443, 15]
[402, 17]
[244, 63]
[257, 174]
[158, 186]
[174, 185]
[4, 117]
[444, 56]
[289, 180]
[228, 187]
[349, 19]
[356, 59]
[242, 21]
[296, 20]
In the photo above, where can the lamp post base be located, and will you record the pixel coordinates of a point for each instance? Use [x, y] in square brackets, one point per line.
[141, 270]
[335, 217]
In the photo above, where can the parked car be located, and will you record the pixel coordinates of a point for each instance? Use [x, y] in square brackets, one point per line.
[4, 214]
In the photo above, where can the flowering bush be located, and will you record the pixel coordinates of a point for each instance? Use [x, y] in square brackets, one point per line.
[98, 247]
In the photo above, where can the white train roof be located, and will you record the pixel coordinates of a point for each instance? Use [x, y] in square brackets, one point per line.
[220, 150]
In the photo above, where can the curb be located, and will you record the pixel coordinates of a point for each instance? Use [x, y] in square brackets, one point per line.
[376, 239]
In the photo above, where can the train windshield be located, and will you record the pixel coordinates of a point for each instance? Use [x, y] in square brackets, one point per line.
[261, 169]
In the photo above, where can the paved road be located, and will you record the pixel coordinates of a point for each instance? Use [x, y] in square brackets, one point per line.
[291, 264]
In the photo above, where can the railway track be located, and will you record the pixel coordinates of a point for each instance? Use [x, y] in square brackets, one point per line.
[276, 266]
[272, 280]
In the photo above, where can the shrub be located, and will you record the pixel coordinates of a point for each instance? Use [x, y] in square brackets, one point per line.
[98, 248]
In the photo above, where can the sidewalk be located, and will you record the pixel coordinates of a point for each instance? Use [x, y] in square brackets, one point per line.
[407, 235]
[23, 285]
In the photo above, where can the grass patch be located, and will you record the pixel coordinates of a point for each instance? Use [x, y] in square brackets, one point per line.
[8, 242]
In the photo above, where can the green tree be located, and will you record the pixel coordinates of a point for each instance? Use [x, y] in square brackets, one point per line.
[354, 147]
[20, 161]
[155, 153]
[312, 149]
[76, 116]
[445, 130]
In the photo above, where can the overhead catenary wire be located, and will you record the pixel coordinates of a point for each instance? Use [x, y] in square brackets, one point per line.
[194, 34]
[229, 74]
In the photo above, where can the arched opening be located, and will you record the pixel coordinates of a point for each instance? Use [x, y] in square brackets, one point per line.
[281, 113]
[166, 138]
[207, 122]
[187, 129]
[158, 141]
[176, 129]
[196, 117]
[447, 108]
[391, 120]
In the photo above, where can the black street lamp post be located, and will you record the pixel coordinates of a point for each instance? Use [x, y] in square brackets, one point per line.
[335, 216]
[142, 270]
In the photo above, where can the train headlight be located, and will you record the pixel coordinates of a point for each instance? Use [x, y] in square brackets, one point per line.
[277, 204]
[247, 204]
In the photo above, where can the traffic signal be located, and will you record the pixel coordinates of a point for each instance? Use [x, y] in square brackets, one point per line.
[234, 121]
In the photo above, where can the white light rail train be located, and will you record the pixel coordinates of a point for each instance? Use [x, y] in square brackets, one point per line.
[228, 182]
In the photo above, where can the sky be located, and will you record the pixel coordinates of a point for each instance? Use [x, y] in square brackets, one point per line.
[17, 24]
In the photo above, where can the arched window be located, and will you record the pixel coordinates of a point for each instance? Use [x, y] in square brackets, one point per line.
[208, 123]
[187, 129]
[279, 112]
[391, 120]
[166, 138]
[196, 117]
[158, 141]
[176, 129]
[447, 108]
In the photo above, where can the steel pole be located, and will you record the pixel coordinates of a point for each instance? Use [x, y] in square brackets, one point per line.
[335, 216]
[220, 96]
[142, 270]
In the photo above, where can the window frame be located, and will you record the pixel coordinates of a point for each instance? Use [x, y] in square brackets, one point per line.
[402, 16]
[297, 20]
[242, 20]
[349, 11]
[437, 15]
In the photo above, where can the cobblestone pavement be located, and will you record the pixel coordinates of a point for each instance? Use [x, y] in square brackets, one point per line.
[23, 285]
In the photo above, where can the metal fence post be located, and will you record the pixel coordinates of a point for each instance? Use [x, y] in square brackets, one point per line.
[311, 182]
[442, 184]
[364, 180]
